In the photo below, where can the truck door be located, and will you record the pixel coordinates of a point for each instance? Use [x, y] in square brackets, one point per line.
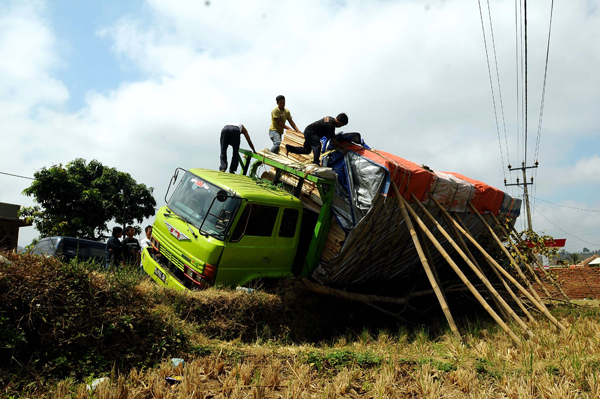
[286, 242]
[249, 252]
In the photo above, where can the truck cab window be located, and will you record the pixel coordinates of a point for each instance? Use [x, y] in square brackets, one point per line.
[256, 220]
[288, 223]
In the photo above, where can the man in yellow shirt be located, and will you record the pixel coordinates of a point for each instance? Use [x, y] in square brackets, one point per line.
[279, 116]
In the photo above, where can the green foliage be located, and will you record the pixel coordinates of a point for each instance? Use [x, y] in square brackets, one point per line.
[539, 246]
[342, 358]
[79, 199]
[60, 319]
[575, 258]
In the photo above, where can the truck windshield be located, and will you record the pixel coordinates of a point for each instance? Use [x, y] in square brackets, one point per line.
[192, 201]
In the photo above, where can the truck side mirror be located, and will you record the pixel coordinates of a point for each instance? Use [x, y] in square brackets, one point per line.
[222, 195]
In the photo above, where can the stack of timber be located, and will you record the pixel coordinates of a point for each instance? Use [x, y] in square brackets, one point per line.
[396, 221]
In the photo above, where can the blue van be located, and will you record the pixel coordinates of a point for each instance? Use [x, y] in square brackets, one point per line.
[69, 248]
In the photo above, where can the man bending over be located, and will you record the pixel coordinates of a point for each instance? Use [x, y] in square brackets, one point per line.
[312, 136]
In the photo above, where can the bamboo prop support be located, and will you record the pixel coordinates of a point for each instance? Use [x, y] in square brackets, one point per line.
[506, 286]
[465, 248]
[430, 276]
[510, 278]
[508, 255]
[474, 268]
[521, 257]
[541, 267]
[368, 298]
[461, 275]
[429, 258]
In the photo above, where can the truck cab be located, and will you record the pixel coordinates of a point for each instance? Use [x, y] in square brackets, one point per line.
[223, 229]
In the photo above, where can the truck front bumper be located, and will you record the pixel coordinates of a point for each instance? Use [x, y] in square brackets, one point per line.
[158, 273]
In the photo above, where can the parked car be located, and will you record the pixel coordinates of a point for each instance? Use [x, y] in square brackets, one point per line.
[69, 248]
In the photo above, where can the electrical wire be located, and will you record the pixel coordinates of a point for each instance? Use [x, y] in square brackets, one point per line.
[539, 132]
[492, 88]
[570, 207]
[525, 99]
[22, 177]
[569, 234]
[498, 80]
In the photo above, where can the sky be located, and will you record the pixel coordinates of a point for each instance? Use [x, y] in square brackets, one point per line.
[146, 86]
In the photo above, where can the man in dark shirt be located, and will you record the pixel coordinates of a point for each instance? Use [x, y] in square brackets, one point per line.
[114, 249]
[131, 247]
[312, 136]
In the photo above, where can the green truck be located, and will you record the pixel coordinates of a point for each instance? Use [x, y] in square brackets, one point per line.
[226, 229]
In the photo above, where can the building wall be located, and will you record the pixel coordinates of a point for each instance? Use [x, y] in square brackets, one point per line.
[9, 226]
[578, 283]
[9, 235]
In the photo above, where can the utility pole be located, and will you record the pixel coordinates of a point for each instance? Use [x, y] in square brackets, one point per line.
[523, 168]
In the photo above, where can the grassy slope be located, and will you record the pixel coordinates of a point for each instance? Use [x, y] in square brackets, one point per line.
[64, 324]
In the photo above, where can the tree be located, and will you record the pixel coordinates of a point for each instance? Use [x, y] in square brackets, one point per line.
[586, 251]
[575, 258]
[79, 200]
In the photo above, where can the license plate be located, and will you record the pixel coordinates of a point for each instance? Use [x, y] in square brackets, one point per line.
[160, 274]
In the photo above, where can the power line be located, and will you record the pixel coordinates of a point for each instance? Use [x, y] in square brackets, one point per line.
[570, 207]
[498, 79]
[539, 133]
[525, 14]
[569, 234]
[487, 57]
[22, 177]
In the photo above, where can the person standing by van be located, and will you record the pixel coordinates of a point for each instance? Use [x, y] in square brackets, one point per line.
[131, 247]
[146, 242]
[114, 249]
[279, 116]
[230, 136]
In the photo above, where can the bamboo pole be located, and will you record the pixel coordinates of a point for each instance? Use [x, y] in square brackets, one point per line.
[508, 255]
[510, 278]
[506, 286]
[548, 275]
[429, 258]
[474, 268]
[364, 298]
[425, 264]
[521, 257]
[460, 274]
[465, 248]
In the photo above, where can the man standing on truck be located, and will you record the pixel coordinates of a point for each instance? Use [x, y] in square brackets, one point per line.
[114, 249]
[230, 136]
[279, 116]
[312, 136]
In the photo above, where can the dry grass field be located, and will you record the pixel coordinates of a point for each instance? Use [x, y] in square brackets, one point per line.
[62, 326]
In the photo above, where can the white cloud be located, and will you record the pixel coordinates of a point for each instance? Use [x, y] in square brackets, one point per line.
[412, 77]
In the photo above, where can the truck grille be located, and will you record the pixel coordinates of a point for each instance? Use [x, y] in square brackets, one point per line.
[175, 267]
[176, 262]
